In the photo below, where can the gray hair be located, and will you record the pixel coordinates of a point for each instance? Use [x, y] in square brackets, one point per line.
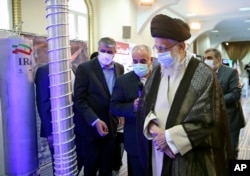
[107, 41]
[216, 52]
[142, 47]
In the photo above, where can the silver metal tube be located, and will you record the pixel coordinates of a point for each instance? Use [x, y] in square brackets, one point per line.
[18, 107]
[60, 87]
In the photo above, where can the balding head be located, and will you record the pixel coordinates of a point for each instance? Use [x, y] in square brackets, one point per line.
[141, 49]
[141, 54]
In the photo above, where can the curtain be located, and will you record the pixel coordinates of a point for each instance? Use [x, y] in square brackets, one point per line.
[237, 50]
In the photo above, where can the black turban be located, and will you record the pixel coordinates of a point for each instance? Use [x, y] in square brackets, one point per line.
[163, 26]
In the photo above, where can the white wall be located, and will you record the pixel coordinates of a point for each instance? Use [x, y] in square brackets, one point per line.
[203, 43]
[111, 15]
[34, 16]
[6, 14]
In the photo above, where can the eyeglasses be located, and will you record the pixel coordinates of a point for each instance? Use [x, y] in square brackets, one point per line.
[162, 49]
[208, 57]
[106, 51]
[140, 61]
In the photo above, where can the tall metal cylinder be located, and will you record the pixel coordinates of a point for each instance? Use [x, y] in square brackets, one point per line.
[18, 107]
[60, 87]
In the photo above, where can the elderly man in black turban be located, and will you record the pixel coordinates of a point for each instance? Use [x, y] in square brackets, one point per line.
[182, 120]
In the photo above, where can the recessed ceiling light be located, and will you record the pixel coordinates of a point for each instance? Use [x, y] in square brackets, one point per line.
[195, 25]
[191, 14]
[214, 31]
[244, 9]
[146, 2]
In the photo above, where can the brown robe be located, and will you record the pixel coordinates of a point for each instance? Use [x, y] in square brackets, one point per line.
[199, 107]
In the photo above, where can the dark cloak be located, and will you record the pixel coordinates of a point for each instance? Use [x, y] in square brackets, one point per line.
[199, 107]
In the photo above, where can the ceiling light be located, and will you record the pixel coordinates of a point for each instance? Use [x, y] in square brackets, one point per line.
[195, 25]
[248, 29]
[244, 9]
[214, 31]
[191, 14]
[146, 2]
[247, 21]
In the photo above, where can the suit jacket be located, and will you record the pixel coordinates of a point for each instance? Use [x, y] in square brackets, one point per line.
[92, 98]
[122, 104]
[229, 81]
[43, 99]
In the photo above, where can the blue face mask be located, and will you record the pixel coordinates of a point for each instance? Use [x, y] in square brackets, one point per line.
[166, 59]
[105, 58]
[140, 69]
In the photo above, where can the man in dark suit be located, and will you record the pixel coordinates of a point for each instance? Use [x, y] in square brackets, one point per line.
[124, 101]
[231, 87]
[95, 127]
[43, 104]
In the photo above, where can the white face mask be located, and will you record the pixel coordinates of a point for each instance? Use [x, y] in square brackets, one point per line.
[166, 59]
[141, 69]
[210, 63]
[105, 58]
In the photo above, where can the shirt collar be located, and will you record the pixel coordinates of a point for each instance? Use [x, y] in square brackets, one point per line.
[110, 67]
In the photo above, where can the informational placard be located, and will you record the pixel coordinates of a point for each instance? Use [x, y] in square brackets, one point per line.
[123, 55]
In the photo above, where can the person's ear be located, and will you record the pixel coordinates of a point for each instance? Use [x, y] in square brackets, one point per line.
[151, 59]
[182, 45]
